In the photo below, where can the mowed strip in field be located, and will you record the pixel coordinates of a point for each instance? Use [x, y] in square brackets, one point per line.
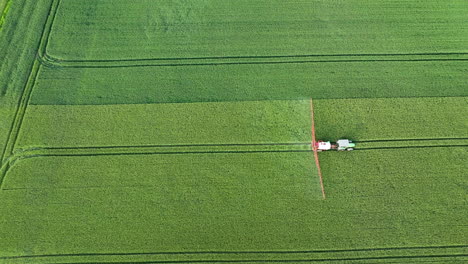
[237, 202]
[146, 29]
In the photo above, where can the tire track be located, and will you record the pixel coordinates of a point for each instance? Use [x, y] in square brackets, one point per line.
[411, 143]
[236, 148]
[412, 147]
[411, 139]
[170, 146]
[355, 250]
[53, 64]
[94, 151]
[280, 260]
[268, 57]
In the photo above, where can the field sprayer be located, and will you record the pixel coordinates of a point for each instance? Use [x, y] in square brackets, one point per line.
[340, 145]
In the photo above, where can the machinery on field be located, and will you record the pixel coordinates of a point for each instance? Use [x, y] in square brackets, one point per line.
[340, 145]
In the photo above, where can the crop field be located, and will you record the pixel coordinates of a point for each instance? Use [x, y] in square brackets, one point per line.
[183, 131]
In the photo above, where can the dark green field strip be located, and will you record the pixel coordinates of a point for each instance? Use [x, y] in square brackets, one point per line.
[69, 86]
[194, 29]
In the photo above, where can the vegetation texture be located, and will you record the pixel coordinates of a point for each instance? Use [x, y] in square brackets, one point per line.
[180, 131]
[115, 30]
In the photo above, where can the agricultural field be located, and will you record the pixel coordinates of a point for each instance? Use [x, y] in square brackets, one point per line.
[184, 131]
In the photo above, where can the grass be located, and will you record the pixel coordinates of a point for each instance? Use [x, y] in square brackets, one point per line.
[86, 30]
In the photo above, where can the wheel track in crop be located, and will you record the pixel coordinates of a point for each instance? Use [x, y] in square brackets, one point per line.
[307, 253]
[379, 258]
[24, 99]
[51, 62]
[240, 148]
[410, 143]
[282, 260]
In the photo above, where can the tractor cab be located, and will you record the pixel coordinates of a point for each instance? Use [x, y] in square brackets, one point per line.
[345, 144]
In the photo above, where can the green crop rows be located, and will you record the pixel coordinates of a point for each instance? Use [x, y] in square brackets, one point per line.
[179, 131]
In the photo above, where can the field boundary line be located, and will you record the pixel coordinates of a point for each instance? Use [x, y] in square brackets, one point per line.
[314, 147]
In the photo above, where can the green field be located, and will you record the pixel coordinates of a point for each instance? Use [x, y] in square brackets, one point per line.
[236, 202]
[249, 82]
[180, 131]
[86, 29]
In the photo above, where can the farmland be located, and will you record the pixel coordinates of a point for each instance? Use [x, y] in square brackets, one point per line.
[181, 131]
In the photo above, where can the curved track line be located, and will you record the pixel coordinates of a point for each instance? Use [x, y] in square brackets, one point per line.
[58, 60]
[146, 150]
